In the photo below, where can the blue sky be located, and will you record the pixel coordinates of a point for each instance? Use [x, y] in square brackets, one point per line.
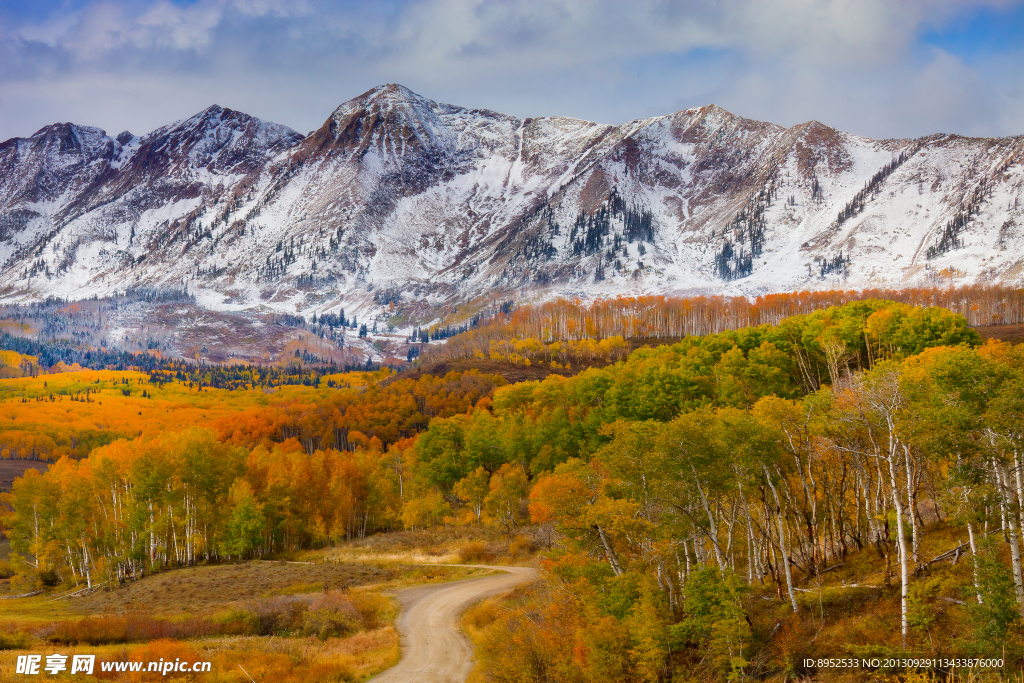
[880, 68]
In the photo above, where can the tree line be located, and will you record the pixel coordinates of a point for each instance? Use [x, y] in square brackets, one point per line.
[663, 318]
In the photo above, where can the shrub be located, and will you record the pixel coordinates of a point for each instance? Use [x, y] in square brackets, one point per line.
[14, 640]
[482, 615]
[25, 582]
[521, 545]
[328, 623]
[276, 616]
[6, 569]
[997, 615]
[49, 578]
[239, 622]
[133, 627]
[374, 609]
[474, 552]
[715, 618]
[331, 615]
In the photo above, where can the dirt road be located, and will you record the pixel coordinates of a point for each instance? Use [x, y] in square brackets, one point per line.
[434, 650]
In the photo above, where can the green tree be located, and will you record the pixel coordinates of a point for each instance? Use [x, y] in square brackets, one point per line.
[715, 619]
[441, 451]
[996, 614]
[426, 510]
[474, 489]
[647, 624]
[246, 524]
[509, 485]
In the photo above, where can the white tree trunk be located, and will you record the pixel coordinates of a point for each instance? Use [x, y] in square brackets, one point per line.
[782, 541]
[711, 520]
[911, 500]
[904, 579]
[1020, 487]
[974, 559]
[1011, 522]
[613, 559]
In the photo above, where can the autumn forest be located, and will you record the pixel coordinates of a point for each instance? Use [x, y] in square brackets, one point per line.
[713, 490]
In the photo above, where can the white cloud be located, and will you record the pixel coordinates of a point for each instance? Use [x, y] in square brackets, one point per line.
[106, 26]
[856, 64]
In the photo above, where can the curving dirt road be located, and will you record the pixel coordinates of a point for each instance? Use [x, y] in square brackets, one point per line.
[434, 649]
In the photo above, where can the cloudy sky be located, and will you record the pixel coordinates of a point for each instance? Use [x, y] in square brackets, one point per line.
[882, 68]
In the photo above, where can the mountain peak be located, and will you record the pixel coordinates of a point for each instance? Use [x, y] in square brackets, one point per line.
[65, 140]
[814, 127]
[61, 129]
[386, 113]
[215, 138]
[716, 110]
[216, 116]
[395, 92]
[388, 98]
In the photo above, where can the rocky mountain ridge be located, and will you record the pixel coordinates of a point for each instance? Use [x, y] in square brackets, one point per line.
[398, 203]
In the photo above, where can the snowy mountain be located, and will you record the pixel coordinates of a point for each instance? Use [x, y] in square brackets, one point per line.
[399, 200]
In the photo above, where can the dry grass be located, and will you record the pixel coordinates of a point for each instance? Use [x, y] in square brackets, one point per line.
[468, 544]
[324, 615]
[267, 660]
[278, 660]
[1013, 334]
[203, 590]
[12, 469]
[207, 591]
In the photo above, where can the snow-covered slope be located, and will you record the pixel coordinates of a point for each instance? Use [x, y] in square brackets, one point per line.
[400, 200]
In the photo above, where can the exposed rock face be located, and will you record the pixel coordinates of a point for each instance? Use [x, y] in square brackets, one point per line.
[397, 198]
